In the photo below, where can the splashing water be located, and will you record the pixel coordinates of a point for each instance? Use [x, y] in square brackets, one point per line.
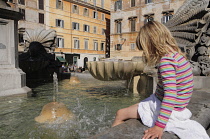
[93, 102]
[83, 126]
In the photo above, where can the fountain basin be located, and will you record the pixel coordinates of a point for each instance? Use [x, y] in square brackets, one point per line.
[115, 70]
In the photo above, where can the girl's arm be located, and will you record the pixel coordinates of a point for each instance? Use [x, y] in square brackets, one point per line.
[168, 74]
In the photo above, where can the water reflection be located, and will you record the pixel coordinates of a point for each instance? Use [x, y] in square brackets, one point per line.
[93, 102]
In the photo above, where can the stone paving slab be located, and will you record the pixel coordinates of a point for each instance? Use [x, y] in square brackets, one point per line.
[134, 129]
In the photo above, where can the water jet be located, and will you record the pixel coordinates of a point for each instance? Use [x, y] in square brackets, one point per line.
[54, 112]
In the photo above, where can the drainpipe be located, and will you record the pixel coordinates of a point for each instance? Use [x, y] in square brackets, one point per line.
[70, 4]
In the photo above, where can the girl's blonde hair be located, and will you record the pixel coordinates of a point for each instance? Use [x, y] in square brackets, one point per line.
[156, 40]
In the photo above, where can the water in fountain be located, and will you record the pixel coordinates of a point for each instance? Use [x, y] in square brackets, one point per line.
[55, 86]
[55, 112]
[93, 102]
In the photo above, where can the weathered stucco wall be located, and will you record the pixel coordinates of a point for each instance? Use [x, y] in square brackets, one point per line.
[126, 38]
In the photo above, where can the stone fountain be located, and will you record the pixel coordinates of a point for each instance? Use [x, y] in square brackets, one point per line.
[132, 71]
[38, 59]
[13, 79]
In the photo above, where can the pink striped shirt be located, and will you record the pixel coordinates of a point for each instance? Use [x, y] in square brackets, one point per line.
[175, 85]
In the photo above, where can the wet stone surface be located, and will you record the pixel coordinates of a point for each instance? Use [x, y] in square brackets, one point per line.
[134, 129]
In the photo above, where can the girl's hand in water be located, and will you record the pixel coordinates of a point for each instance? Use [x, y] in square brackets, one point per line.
[153, 133]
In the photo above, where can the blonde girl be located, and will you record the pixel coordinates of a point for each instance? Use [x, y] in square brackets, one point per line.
[165, 110]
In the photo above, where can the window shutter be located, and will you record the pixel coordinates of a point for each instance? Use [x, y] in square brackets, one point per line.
[74, 43]
[57, 41]
[72, 25]
[62, 43]
[133, 25]
[162, 19]
[120, 27]
[102, 3]
[115, 6]
[120, 4]
[145, 20]
[170, 16]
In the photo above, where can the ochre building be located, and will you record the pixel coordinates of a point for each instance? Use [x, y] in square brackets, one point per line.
[127, 16]
[83, 29]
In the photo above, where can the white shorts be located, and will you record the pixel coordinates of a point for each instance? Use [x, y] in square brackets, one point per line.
[179, 122]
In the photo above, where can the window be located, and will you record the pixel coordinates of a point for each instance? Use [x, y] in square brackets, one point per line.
[94, 58]
[22, 11]
[133, 46]
[95, 15]
[85, 0]
[94, 29]
[132, 23]
[75, 58]
[148, 1]
[118, 47]
[95, 43]
[86, 28]
[59, 4]
[102, 17]
[133, 3]
[75, 26]
[102, 3]
[21, 2]
[167, 16]
[41, 4]
[86, 44]
[21, 40]
[41, 18]
[94, 2]
[102, 46]
[60, 42]
[149, 17]
[75, 9]
[86, 12]
[118, 5]
[118, 24]
[20, 35]
[59, 23]
[76, 43]
[103, 31]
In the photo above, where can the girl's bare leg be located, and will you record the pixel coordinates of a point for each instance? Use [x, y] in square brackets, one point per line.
[130, 112]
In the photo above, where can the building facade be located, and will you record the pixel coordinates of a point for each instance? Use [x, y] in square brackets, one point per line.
[127, 16]
[33, 17]
[82, 28]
